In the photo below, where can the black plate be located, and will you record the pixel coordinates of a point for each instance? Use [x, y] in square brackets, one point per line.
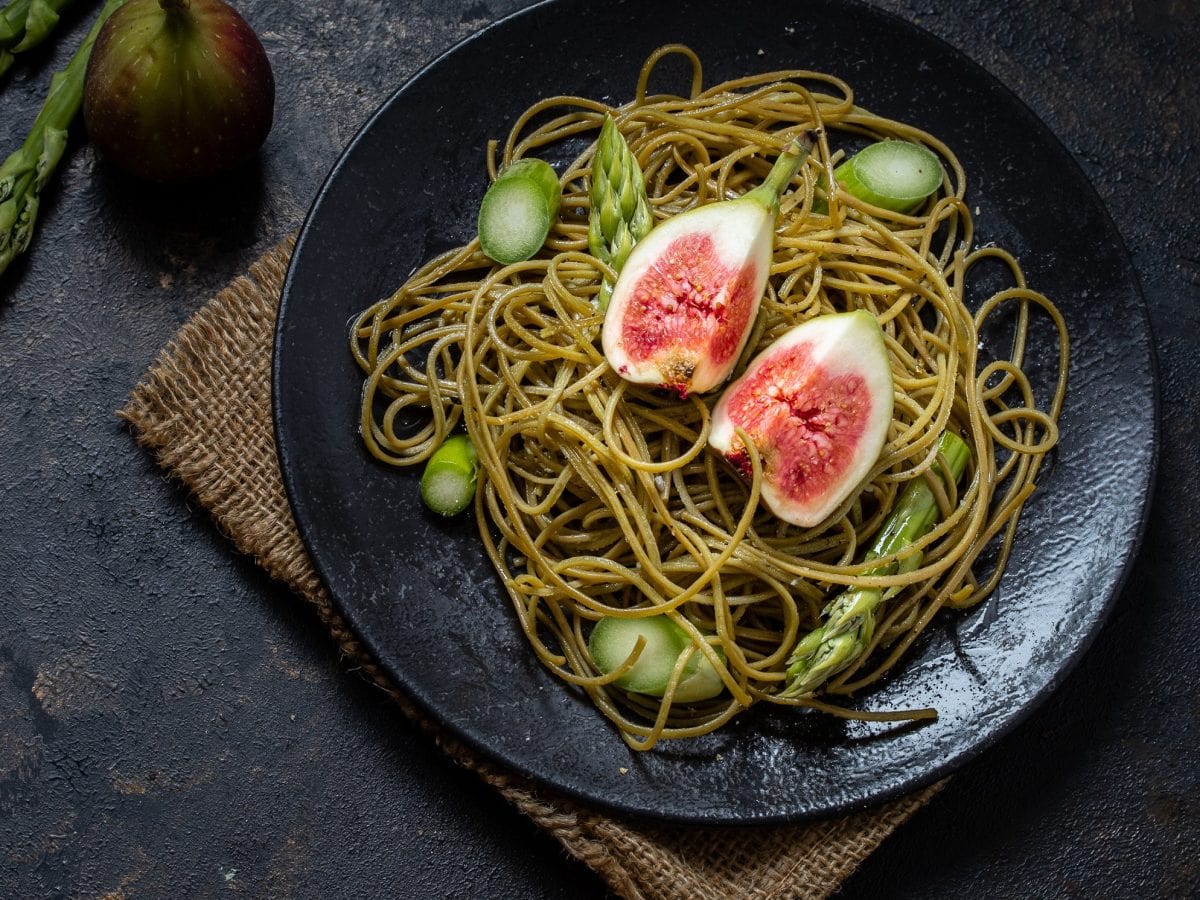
[420, 593]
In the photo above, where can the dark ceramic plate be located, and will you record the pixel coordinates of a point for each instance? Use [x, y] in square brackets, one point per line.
[420, 593]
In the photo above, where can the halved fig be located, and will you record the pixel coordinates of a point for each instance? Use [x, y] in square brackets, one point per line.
[684, 303]
[816, 404]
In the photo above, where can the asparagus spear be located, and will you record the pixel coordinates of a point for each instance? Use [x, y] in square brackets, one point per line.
[850, 617]
[25, 173]
[24, 24]
[620, 214]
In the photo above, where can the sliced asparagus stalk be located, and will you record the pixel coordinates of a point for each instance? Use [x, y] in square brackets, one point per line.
[518, 210]
[448, 482]
[893, 175]
[614, 639]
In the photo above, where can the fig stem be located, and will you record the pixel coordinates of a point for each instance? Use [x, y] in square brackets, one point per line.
[177, 16]
[786, 166]
[27, 169]
[850, 617]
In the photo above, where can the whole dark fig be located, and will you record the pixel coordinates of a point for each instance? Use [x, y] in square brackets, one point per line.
[178, 90]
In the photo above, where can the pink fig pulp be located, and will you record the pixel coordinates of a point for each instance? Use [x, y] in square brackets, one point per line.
[682, 309]
[685, 302]
[816, 404]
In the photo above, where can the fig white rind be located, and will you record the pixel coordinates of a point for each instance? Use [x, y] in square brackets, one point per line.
[685, 302]
[817, 404]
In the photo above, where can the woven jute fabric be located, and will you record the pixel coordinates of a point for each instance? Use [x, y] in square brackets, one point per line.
[205, 409]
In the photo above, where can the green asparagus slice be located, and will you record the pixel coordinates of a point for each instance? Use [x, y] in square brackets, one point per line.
[448, 482]
[25, 173]
[518, 211]
[620, 214]
[850, 616]
[24, 24]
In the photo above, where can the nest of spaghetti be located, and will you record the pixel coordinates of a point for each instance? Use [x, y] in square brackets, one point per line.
[599, 498]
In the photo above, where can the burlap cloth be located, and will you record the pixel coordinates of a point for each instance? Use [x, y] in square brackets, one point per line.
[205, 409]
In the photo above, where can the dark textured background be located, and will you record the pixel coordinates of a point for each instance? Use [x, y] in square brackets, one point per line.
[174, 724]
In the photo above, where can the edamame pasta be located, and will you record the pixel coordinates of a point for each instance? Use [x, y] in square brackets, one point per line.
[598, 499]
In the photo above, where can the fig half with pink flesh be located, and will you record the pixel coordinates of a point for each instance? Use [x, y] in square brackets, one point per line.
[816, 404]
[685, 302]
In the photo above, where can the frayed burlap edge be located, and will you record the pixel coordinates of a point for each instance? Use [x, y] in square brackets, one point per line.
[204, 408]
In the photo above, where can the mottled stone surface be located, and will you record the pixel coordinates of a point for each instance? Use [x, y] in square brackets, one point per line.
[173, 724]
